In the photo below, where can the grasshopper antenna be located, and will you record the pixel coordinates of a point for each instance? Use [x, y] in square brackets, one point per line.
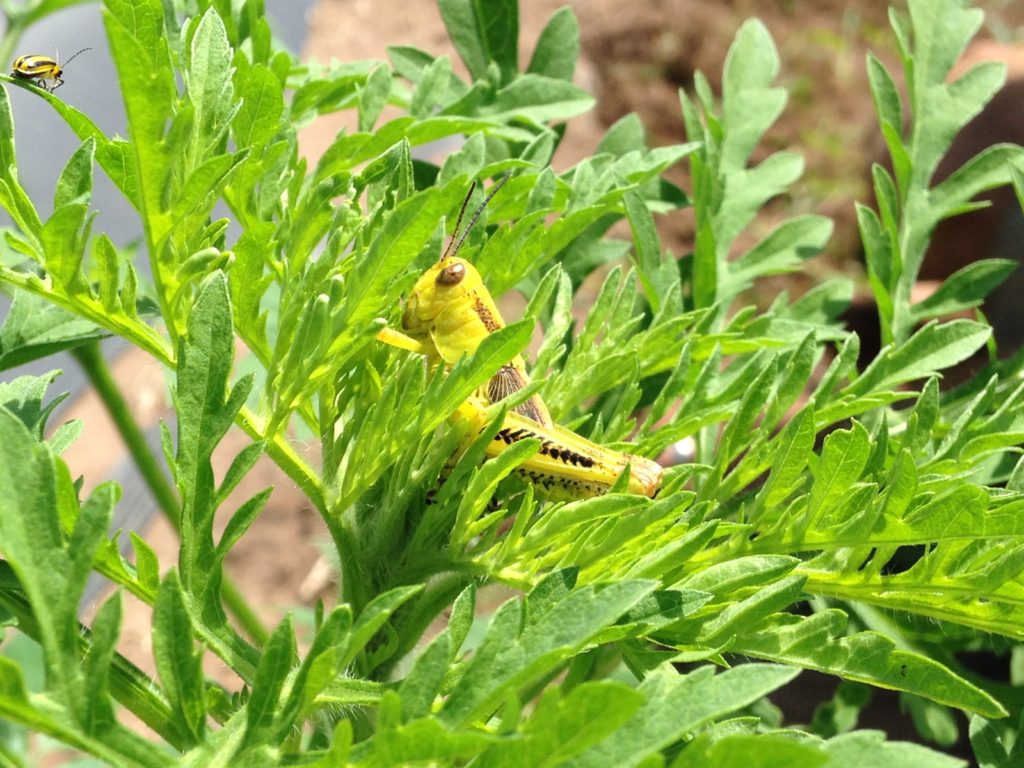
[69, 60]
[476, 215]
[458, 222]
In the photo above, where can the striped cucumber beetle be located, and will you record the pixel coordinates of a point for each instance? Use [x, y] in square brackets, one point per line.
[47, 71]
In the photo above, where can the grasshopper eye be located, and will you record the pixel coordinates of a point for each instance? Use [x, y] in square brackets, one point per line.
[452, 274]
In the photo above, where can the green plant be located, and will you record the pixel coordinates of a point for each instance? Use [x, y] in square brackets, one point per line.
[607, 658]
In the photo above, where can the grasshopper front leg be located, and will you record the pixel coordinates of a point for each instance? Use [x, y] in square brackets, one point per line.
[400, 340]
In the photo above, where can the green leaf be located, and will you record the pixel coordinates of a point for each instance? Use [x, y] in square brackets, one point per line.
[461, 619]
[423, 683]
[34, 329]
[513, 652]
[37, 503]
[240, 521]
[647, 253]
[791, 457]
[24, 396]
[558, 47]
[782, 250]
[147, 566]
[888, 105]
[75, 183]
[209, 84]
[965, 288]
[484, 31]
[259, 117]
[373, 97]
[933, 348]
[240, 467]
[105, 629]
[988, 747]
[421, 742]
[320, 669]
[63, 240]
[678, 704]
[752, 750]
[276, 662]
[432, 89]
[206, 410]
[539, 99]
[627, 134]
[749, 105]
[870, 748]
[843, 458]
[739, 573]
[179, 664]
[821, 642]
[142, 19]
[373, 617]
[564, 726]
[987, 170]
[148, 89]
[17, 707]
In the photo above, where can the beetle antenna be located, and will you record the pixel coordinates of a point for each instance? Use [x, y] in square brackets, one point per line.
[476, 215]
[69, 60]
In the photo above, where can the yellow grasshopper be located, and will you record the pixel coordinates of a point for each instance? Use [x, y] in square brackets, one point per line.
[447, 314]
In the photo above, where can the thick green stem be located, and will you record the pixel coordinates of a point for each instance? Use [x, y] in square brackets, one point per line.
[95, 367]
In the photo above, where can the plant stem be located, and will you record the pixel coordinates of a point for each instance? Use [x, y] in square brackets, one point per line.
[286, 458]
[95, 367]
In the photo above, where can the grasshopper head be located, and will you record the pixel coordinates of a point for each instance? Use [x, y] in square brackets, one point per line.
[448, 281]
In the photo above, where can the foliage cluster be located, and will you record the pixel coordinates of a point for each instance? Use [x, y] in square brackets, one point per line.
[862, 523]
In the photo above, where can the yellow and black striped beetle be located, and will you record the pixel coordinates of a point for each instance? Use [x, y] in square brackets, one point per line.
[34, 66]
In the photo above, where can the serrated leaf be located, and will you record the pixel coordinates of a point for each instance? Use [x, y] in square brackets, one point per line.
[139, 47]
[843, 458]
[206, 410]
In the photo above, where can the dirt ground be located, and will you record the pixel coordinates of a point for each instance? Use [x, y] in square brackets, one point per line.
[636, 57]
